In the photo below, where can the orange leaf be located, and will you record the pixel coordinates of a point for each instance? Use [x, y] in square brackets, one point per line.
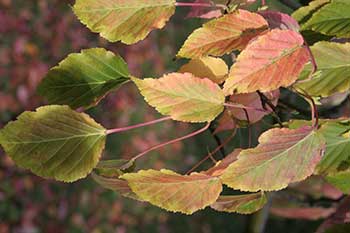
[273, 60]
[175, 192]
[220, 36]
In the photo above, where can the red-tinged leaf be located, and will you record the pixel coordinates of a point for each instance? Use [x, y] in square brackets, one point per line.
[283, 156]
[280, 20]
[242, 204]
[341, 215]
[204, 12]
[253, 100]
[226, 122]
[235, 117]
[183, 96]
[273, 60]
[308, 213]
[223, 35]
[221, 166]
[175, 192]
[317, 187]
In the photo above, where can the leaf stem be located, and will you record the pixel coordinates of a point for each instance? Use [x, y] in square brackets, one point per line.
[170, 142]
[192, 4]
[313, 107]
[232, 105]
[118, 130]
[263, 2]
[313, 62]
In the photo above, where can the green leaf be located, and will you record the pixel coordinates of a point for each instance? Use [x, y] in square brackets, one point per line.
[333, 69]
[337, 155]
[82, 79]
[341, 180]
[183, 96]
[283, 156]
[332, 19]
[303, 14]
[242, 204]
[128, 21]
[223, 35]
[175, 192]
[54, 142]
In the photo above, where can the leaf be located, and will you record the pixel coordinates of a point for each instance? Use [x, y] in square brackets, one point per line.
[341, 180]
[317, 187]
[54, 142]
[175, 192]
[337, 146]
[332, 19]
[221, 166]
[226, 122]
[279, 20]
[303, 14]
[333, 65]
[204, 12]
[107, 175]
[282, 157]
[82, 79]
[183, 96]
[223, 35]
[253, 100]
[212, 68]
[242, 204]
[265, 64]
[127, 21]
[114, 168]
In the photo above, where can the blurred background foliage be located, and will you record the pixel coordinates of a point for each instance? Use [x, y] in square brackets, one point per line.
[34, 36]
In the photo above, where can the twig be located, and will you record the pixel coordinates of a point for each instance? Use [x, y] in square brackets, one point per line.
[217, 140]
[249, 128]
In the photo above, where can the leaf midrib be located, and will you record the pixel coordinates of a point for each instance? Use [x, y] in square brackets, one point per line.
[56, 139]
